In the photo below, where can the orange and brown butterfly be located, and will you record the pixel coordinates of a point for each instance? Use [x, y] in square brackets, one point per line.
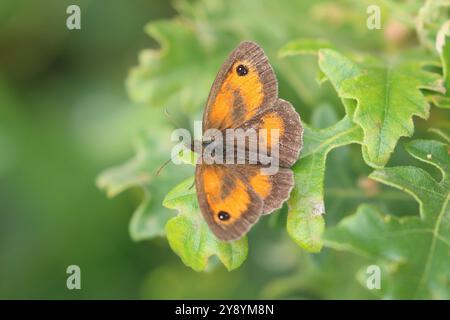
[232, 197]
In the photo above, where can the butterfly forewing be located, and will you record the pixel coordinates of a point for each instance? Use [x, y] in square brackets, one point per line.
[244, 85]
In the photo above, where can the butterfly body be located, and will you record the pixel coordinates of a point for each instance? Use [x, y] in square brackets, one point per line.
[232, 195]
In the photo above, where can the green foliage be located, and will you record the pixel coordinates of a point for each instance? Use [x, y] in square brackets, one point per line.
[415, 251]
[163, 78]
[305, 222]
[190, 237]
[387, 98]
[430, 17]
[149, 218]
[383, 87]
[156, 83]
[443, 48]
[197, 41]
[368, 94]
[303, 46]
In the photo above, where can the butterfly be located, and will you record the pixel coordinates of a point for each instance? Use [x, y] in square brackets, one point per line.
[232, 197]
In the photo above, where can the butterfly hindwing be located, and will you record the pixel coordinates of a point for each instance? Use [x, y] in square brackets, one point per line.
[232, 197]
[273, 189]
[283, 118]
[228, 204]
[244, 85]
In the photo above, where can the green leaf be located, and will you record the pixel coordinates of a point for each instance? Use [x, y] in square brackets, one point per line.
[117, 179]
[434, 153]
[189, 235]
[305, 222]
[445, 58]
[414, 251]
[443, 48]
[337, 68]
[334, 66]
[160, 78]
[303, 46]
[381, 99]
[387, 99]
[139, 172]
[442, 133]
[429, 19]
[199, 38]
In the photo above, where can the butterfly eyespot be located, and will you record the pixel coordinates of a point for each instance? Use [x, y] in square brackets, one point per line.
[241, 70]
[224, 216]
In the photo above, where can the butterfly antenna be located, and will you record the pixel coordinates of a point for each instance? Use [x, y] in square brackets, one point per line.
[162, 167]
[171, 118]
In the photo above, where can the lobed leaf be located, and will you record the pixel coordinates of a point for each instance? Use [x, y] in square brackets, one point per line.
[305, 222]
[337, 68]
[303, 46]
[189, 235]
[381, 99]
[430, 17]
[415, 252]
[443, 48]
[139, 172]
[160, 78]
[387, 99]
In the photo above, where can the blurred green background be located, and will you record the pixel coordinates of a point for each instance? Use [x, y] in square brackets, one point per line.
[65, 116]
